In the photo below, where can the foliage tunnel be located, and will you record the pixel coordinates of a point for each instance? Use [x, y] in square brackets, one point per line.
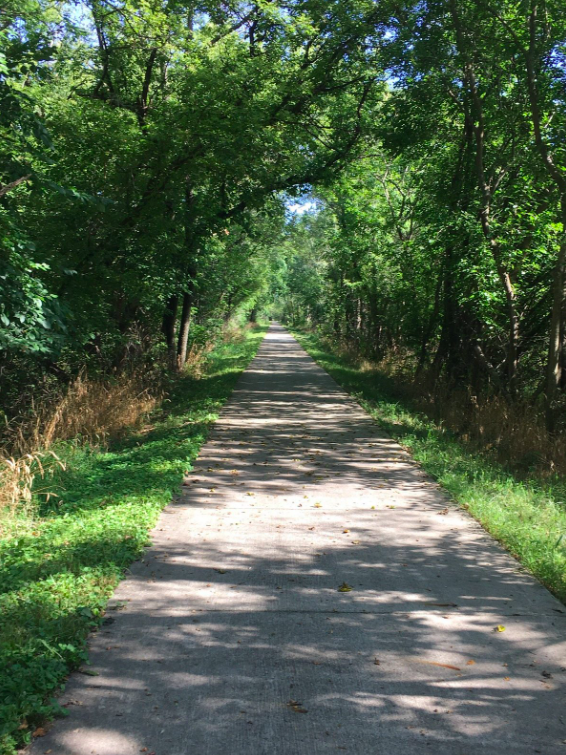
[151, 150]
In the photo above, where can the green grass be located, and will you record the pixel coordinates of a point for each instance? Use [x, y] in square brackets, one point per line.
[528, 516]
[57, 574]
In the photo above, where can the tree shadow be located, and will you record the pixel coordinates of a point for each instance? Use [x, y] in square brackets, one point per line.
[216, 645]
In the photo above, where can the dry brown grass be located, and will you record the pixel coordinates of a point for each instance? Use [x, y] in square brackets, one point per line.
[90, 410]
[18, 475]
[513, 431]
[231, 333]
[234, 333]
[196, 359]
[96, 410]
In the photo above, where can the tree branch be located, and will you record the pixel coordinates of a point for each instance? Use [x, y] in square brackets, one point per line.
[8, 187]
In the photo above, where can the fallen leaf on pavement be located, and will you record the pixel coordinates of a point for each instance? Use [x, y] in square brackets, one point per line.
[345, 587]
[296, 706]
[442, 665]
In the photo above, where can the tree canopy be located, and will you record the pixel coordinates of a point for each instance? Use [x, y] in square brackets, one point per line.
[148, 149]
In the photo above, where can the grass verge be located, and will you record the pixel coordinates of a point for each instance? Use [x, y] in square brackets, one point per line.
[67, 555]
[528, 516]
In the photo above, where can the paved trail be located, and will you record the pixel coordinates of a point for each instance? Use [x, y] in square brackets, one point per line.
[235, 639]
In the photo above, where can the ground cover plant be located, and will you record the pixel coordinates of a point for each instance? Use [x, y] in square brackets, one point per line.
[527, 515]
[67, 554]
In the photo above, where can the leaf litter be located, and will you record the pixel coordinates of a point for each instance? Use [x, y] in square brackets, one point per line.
[296, 706]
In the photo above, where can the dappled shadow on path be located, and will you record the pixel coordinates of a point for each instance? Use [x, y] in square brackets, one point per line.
[231, 636]
[202, 658]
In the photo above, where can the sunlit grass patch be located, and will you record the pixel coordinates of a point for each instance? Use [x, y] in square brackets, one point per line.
[64, 556]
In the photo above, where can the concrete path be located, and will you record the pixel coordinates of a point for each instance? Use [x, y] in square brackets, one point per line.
[235, 638]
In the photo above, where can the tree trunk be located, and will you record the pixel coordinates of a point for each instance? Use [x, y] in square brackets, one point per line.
[554, 363]
[190, 273]
[449, 336]
[336, 324]
[168, 327]
[185, 326]
[512, 359]
[374, 324]
[228, 314]
[428, 329]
